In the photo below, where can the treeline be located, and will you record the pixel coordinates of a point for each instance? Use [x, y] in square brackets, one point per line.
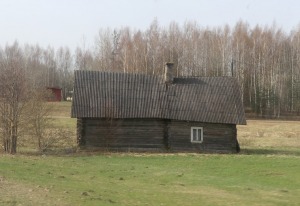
[265, 60]
[41, 68]
[25, 74]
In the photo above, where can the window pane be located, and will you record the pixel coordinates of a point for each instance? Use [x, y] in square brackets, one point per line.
[194, 134]
[199, 135]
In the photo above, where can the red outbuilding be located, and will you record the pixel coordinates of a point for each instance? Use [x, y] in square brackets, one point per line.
[57, 94]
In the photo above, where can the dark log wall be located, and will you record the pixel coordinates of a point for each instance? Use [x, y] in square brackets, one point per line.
[124, 134]
[216, 137]
[154, 135]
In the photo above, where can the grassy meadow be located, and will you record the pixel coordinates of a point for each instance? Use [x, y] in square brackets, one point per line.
[266, 172]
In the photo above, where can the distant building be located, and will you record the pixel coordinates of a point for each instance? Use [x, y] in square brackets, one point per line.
[57, 94]
[137, 112]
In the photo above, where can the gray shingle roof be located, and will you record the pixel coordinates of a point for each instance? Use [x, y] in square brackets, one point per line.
[123, 95]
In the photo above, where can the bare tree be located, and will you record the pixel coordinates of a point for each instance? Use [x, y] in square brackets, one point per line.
[12, 95]
[40, 127]
[37, 114]
[64, 62]
[84, 59]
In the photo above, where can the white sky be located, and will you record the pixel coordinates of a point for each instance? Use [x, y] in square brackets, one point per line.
[67, 22]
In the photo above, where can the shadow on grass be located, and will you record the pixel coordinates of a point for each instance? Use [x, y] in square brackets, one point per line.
[53, 152]
[270, 151]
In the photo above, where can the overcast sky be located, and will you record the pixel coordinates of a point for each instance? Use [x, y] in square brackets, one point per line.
[67, 22]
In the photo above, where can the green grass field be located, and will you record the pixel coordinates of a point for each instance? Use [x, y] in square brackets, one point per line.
[266, 172]
[128, 179]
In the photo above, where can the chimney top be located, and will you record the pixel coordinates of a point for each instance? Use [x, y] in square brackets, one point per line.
[169, 73]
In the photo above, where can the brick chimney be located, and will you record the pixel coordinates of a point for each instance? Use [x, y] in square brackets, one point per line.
[169, 73]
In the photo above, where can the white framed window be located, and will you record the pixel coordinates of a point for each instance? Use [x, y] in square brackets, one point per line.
[196, 134]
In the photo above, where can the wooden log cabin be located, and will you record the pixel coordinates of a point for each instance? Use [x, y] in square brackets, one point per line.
[138, 112]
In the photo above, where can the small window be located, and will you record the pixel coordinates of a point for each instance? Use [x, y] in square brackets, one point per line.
[197, 134]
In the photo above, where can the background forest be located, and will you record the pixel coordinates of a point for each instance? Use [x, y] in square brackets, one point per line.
[265, 60]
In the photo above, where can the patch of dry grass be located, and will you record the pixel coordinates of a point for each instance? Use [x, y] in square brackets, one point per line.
[61, 109]
[269, 134]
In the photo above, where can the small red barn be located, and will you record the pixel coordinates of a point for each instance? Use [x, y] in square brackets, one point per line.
[57, 94]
